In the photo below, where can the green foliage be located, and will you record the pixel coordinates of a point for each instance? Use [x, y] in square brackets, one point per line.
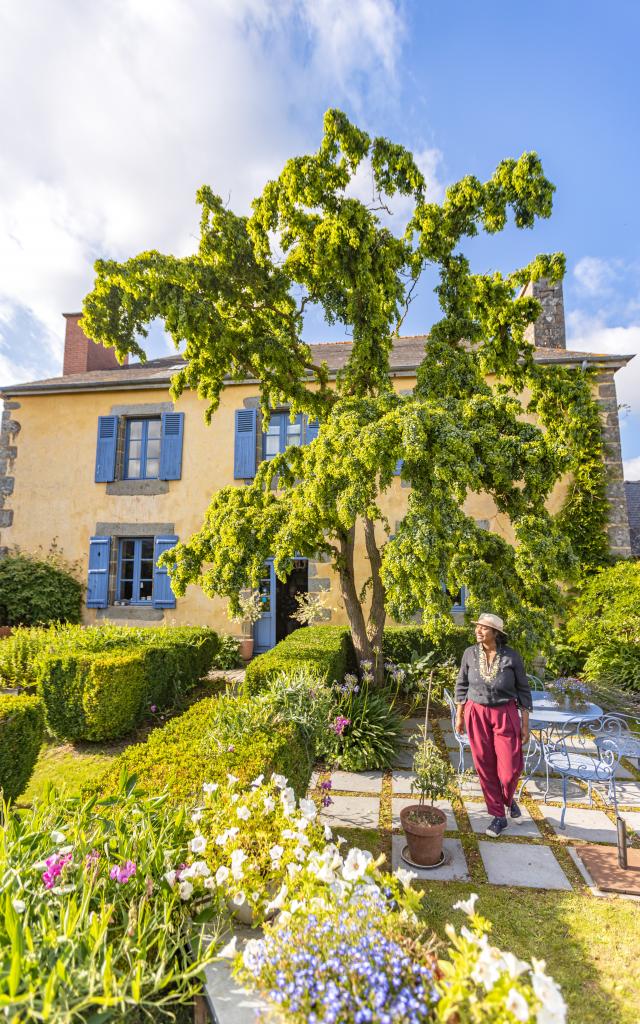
[399, 643]
[371, 737]
[227, 656]
[19, 654]
[300, 696]
[78, 945]
[215, 736]
[325, 651]
[614, 663]
[435, 776]
[21, 735]
[35, 591]
[607, 608]
[99, 684]
[236, 308]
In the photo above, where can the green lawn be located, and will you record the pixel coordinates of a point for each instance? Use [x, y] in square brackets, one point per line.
[69, 767]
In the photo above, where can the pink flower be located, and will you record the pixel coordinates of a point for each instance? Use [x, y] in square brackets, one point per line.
[153, 708]
[55, 864]
[340, 724]
[123, 872]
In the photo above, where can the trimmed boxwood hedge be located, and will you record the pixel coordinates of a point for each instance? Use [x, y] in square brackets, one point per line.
[21, 735]
[104, 694]
[326, 650]
[216, 736]
[399, 642]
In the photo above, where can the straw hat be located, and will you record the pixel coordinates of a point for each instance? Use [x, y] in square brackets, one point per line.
[488, 619]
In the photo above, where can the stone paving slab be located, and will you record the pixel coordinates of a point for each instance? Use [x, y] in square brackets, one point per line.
[445, 724]
[401, 779]
[357, 782]
[412, 725]
[628, 794]
[479, 819]
[352, 812]
[522, 864]
[403, 757]
[454, 870]
[536, 786]
[589, 824]
[632, 819]
[454, 757]
[405, 801]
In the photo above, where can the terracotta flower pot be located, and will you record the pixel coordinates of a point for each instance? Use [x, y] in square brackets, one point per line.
[246, 647]
[424, 826]
[5, 631]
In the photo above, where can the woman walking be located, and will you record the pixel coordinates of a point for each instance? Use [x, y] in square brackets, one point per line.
[492, 684]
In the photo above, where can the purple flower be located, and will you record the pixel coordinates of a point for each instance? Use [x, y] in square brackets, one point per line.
[153, 708]
[326, 800]
[54, 867]
[340, 724]
[123, 872]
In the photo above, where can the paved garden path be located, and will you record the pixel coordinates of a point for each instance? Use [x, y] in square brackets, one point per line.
[535, 854]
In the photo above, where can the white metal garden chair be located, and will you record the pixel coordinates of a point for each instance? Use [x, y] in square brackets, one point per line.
[461, 737]
[588, 752]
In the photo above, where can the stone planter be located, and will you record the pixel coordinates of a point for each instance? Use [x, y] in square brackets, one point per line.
[244, 913]
[246, 648]
[424, 827]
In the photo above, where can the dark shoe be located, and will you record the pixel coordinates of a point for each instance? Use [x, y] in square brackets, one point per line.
[515, 813]
[496, 827]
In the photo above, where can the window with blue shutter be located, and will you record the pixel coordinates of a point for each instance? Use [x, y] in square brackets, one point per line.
[163, 595]
[106, 449]
[398, 467]
[171, 450]
[98, 581]
[281, 433]
[142, 449]
[244, 458]
[311, 429]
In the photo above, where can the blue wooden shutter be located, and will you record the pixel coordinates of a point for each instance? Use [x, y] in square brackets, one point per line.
[171, 445]
[311, 428]
[106, 449]
[244, 460]
[98, 582]
[163, 595]
[398, 468]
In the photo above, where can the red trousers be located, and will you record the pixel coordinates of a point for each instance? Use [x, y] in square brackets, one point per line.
[496, 744]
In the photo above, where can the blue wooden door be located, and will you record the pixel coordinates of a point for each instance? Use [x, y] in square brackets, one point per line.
[264, 631]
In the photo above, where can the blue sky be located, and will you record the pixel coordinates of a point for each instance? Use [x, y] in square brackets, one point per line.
[114, 114]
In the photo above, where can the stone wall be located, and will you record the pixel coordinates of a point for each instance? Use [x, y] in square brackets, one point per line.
[618, 528]
[9, 429]
[549, 329]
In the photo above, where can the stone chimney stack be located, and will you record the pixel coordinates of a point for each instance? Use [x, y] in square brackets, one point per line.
[549, 329]
[81, 354]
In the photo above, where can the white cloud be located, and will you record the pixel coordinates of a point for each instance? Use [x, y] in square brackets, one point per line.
[632, 468]
[591, 335]
[113, 115]
[594, 275]
[361, 186]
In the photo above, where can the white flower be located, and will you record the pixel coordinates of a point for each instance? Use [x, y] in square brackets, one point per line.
[252, 954]
[186, 889]
[58, 837]
[293, 869]
[234, 798]
[238, 858]
[198, 844]
[278, 900]
[222, 874]
[467, 905]
[549, 1015]
[222, 839]
[303, 840]
[239, 898]
[243, 813]
[549, 994]
[284, 918]
[338, 888]
[188, 872]
[308, 809]
[297, 905]
[200, 869]
[356, 864]
[269, 804]
[288, 798]
[258, 780]
[517, 1004]
[170, 877]
[19, 906]
[279, 780]
[488, 967]
[196, 816]
[229, 951]
[318, 903]
[210, 883]
[341, 840]
[302, 824]
[328, 834]
[405, 877]
[209, 787]
[513, 965]
[299, 854]
[233, 831]
[276, 852]
[65, 849]
[231, 779]
[288, 833]
[325, 874]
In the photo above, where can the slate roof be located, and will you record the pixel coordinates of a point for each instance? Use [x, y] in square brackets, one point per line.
[632, 491]
[156, 373]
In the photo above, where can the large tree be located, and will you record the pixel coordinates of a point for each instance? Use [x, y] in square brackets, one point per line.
[236, 308]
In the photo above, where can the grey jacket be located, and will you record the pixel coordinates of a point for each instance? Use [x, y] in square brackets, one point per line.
[510, 681]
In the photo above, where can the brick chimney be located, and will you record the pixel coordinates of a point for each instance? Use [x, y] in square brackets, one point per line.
[549, 329]
[82, 354]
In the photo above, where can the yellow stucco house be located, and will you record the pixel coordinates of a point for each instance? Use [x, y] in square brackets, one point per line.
[104, 462]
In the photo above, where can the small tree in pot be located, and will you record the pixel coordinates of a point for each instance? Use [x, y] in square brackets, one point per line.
[423, 823]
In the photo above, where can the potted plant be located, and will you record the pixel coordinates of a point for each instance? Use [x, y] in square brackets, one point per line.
[423, 823]
[569, 692]
[250, 611]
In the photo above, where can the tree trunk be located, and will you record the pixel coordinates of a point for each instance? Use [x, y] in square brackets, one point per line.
[361, 643]
[377, 612]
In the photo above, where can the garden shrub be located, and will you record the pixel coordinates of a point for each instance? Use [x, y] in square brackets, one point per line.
[326, 651]
[21, 735]
[19, 654]
[400, 642]
[614, 663]
[608, 608]
[366, 729]
[35, 592]
[215, 736]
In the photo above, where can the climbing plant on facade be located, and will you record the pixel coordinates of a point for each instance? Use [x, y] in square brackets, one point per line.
[237, 309]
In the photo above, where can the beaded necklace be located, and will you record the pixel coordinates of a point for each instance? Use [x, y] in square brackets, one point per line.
[488, 674]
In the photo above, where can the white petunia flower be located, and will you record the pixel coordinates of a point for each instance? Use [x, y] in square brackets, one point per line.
[405, 877]
[488, 967]
[341, 840]
[65, 849]
[356, 864]
[293, 869]
[200, 869]
[288, 799]
[288, 833]
[234, 798]
[229, 951]
[303, 840]
[232, 779]
[338, 888]
[222, 874]
[269, 804]
[513, 965]
[308, 809]
[549, 1015]
[467, 905]
[276, 852]
[243, 813]
[302, 824]
[517, 1005]
[278, 900]
[19, 906]
[328, 834]
[58, 837]
[279, 780]
[209, 787]
[239, 898]
[233, 831]
[196, 816]
[186, 890]
[258, 780]
[170, 877]
[252, 954]
[549, 994]
[198, 844]
[299, 854]
[210, 883]
[284, 918]
[238, 858]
